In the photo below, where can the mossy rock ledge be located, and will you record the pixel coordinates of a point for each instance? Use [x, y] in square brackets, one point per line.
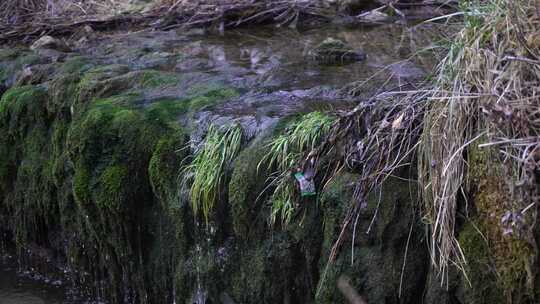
[91, 171]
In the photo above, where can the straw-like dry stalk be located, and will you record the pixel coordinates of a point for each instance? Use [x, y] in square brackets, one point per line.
[488, 95]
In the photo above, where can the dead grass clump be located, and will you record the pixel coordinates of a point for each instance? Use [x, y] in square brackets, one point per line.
[13, 12]
[375, 139]
[33, 18]
[488, 95]
[233, 13]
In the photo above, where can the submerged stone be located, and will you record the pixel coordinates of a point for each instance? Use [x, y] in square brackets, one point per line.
[334, 51]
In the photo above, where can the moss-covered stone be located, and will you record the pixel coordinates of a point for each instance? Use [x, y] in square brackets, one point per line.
[25, 171]
[509, 255]
[265, 272]
[81, 186]
[383, 235]
[165, 167]
[332, 51]
[19, 102]
[481, 282]
[75, 156]
[94, 158]
[169, 108]
[197, 99]
[248, 181]
[76, 65]
[210, 96]
[111, 184]
[155, 79]
[12, 62]
[94, 84]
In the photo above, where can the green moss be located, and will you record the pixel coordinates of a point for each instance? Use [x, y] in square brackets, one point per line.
[167, 109]
[211, 96]
[511, 255]
[75, 158]
[248, 279]
[20, 107]
[334, 201]
[156, 79]
[111, 185]
[212, 89]
[94, 84]
[5, 164]
[147, 79]
[110, 140]
[245, 190]
[63, 90]
[26, 166]
[9, 54]
[382, 236]
[77, 64]
[107, 71]
[483, 286]
[165, 167]
[170, 109]
[19, 97]
[265, 271]
[81, 186]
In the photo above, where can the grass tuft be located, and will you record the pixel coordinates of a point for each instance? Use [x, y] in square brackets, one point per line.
[285, 155]
[209, 166]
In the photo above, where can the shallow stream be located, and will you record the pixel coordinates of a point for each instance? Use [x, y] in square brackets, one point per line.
[24, 286]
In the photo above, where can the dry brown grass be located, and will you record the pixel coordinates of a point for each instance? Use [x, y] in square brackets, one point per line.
[33, 18]
[375, 139]
[488, 95]
[20, 11]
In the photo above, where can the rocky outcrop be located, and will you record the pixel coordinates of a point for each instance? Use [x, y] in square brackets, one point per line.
[87, 158]
[93, 158]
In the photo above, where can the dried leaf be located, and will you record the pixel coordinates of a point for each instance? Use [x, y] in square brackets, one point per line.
[398, 121]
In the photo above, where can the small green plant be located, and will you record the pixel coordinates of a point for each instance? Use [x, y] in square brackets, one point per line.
[208, 168]
[301, 136]
[285, 152]
[283, 200]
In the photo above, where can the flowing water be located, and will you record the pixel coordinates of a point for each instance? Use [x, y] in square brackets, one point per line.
[270, 68]
[25, 286]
